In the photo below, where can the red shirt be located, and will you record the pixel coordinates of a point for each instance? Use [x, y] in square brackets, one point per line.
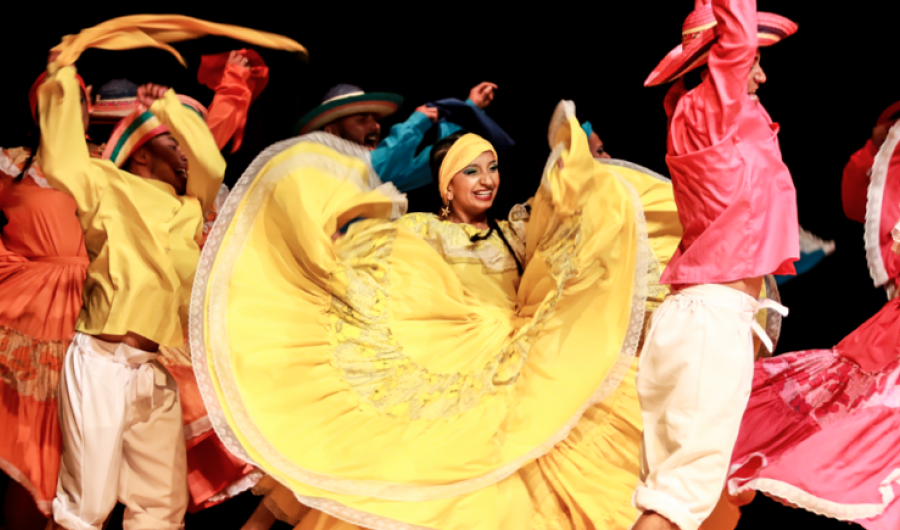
[735, 196]
[855, 184]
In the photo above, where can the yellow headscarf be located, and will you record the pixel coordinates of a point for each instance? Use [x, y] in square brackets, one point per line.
[461, 154]
[156, 31]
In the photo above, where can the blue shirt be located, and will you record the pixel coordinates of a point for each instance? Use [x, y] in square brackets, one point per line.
[395, 158]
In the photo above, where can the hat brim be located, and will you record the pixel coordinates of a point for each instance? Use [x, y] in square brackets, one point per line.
[888, 114]
[111, 111]
[771, 29]
[382, 104]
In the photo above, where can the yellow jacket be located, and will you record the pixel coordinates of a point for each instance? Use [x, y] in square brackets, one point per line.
[141, 237]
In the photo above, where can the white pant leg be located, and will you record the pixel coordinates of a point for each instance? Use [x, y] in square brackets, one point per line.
[694, 383]
[91, 414]
[153, 481]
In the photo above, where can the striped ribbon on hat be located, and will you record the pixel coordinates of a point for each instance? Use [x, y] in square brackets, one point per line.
[130, 134]
[140, 127]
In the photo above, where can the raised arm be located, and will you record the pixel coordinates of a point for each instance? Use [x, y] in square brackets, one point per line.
[206, 165]
[730, 61]
[63, 153]
[231, 104]
[395, 158]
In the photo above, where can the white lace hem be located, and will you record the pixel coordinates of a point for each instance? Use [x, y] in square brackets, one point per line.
[10, 168]
[835, 510]
[874, 199]
[198, 331]
[357, 517]
[197, 428]
[237, 487]
[636, 167]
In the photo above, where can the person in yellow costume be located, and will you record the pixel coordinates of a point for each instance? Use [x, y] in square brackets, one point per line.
[405, 375]
[611, 434]
[142, 215]
[141, 210]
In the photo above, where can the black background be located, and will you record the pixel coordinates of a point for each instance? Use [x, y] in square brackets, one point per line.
[826, 87]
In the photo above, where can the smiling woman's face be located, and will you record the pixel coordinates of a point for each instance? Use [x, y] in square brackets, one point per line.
[473, 190]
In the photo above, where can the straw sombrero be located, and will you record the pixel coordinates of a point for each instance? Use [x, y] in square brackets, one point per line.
[346, 100]
[115, 100]
[138, 128]
[698, 34]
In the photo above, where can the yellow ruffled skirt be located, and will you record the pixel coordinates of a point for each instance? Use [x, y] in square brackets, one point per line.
[586, 481]
[366, 378]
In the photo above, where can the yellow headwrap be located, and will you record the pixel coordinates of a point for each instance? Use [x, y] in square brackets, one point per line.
[461, 154]
[156, 31]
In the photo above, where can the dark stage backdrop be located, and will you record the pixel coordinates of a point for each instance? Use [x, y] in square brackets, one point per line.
[826, 87]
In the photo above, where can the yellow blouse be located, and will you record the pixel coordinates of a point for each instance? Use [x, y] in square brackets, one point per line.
[142, 238]
[486, 268]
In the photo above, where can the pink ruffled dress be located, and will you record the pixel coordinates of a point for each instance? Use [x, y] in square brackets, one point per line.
[822, 430]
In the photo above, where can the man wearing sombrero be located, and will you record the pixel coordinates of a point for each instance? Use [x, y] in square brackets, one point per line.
[737, 204]
[350, 113]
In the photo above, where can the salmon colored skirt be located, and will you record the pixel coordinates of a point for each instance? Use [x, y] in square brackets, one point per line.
[39, 301]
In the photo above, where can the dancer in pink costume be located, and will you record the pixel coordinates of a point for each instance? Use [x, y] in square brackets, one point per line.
[821, 429]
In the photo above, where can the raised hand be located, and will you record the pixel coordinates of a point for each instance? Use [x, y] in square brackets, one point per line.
[239, 59]
[147, 94]
[482, 94]
[431, 112]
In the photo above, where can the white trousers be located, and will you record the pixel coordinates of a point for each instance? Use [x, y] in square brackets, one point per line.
[123, 439]
[694, 381]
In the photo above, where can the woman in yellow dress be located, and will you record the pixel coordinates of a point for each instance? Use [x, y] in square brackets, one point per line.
[406, 375]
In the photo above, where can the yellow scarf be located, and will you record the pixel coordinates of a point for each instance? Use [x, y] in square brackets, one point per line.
[155, 31]
[461, 154]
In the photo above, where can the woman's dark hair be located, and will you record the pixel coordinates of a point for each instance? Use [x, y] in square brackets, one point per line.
[438, 152]
[32, 141]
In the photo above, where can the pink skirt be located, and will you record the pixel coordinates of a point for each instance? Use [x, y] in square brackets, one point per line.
[822, 429]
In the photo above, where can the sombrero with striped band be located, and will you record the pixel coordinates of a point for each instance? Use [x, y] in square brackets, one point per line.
[698, 35]
[140, 127]
[346, 100]
[114, 101]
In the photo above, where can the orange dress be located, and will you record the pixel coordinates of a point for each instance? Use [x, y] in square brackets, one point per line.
[42, 269]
